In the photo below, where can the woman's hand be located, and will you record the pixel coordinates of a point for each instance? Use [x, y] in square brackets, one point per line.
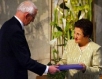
[84, 67]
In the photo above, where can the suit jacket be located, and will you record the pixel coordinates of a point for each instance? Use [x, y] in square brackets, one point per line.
[15, 54]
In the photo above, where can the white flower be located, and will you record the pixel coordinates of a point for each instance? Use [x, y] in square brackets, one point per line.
[82, 15]
[68, 4]
[53, 42]
[55, 2]
[64, 22]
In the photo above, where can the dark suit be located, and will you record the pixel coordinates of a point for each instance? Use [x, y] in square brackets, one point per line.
[15, 54]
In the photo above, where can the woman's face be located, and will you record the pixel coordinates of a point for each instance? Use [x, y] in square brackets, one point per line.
[79, 36]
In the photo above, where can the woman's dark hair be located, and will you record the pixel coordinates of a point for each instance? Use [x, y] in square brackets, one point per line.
[85, 25]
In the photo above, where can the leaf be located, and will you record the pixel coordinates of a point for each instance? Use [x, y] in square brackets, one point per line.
[59, 28]
[49, 64]
[57, 34]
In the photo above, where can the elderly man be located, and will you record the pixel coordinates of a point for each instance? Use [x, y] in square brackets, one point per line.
[15, 55]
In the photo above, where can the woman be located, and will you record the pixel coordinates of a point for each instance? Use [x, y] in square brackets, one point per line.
[82, 50]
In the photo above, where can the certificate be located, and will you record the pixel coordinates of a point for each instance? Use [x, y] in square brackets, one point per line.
[70, 66]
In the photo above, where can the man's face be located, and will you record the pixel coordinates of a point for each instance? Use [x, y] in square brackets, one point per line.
[29, 18]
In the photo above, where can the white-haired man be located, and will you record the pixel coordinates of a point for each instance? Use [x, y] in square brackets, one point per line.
[15, 57]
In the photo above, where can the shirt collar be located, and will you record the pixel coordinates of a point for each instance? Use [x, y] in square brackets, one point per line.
[20, 22]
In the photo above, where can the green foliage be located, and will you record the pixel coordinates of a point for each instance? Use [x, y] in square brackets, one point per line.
[76, 9]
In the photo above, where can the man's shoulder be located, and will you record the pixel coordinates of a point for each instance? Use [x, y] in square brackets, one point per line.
[9, 22]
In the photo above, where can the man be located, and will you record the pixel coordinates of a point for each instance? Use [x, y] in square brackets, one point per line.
[15, 57]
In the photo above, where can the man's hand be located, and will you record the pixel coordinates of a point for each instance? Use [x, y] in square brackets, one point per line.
[53, 69]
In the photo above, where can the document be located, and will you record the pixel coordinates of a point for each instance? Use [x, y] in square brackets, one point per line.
[70, 66]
